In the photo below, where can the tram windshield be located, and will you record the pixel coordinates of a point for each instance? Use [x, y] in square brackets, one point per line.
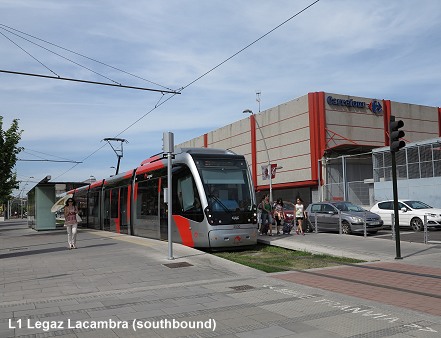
[226, 184]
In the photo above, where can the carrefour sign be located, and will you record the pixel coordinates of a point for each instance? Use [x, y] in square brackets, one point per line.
[348, 103]
[374, 105]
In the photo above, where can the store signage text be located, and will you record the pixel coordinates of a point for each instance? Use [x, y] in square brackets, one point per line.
[347, 103]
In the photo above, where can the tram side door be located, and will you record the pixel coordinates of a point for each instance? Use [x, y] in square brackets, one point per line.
[124, 208]
[162, 209]
[106, 210]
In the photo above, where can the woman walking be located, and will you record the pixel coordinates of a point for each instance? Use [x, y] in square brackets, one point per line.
[279, 214]
[299, 212]
[71, 223]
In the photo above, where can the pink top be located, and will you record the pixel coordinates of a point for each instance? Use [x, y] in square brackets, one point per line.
[70, 217]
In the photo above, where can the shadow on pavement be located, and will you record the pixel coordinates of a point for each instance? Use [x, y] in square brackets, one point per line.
[43, 251]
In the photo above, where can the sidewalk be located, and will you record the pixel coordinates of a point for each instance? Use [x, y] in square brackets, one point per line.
[122, 286]
[358, 247]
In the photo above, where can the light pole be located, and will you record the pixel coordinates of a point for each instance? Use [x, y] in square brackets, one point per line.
[270, 170]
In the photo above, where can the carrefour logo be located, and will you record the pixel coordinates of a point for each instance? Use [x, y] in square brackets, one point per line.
[374, 106]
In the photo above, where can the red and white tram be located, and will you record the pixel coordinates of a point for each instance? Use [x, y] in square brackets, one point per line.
[213, 201]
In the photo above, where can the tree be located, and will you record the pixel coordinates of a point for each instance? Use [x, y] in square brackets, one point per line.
[9, 150]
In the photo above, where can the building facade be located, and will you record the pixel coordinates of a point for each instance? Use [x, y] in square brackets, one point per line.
[319, 142]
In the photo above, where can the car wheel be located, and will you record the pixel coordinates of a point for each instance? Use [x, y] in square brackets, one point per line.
[346, 228]
[416, 224]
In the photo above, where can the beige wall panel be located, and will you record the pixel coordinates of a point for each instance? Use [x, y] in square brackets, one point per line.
[359, 135]
[231, 136]
[355, 124]
[286, 131]
[242, 150]
[420, 122]
[197, 142]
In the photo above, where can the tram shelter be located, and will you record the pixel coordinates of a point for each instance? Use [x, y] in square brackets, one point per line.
[40, 200]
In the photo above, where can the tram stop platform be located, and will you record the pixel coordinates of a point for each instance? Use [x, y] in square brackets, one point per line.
[121, 286]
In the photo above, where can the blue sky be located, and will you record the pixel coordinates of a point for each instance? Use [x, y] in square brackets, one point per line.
[378, 49]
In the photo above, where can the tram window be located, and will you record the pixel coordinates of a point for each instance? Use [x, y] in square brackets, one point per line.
[227, 189]
[147, 201]
[233, 176]
[186, 201]
[94, 203]
[186, 193]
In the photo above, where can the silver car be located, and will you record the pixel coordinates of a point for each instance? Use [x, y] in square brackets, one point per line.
[352, 218]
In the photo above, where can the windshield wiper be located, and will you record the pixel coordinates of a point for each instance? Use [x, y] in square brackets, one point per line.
[220, 203]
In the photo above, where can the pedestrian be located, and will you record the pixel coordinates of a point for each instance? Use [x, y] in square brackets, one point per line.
[71, 223]
[266, 216]
[259, 215]
[279, 214]
[299, 212]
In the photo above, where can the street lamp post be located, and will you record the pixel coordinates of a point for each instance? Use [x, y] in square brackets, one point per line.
[270, 170]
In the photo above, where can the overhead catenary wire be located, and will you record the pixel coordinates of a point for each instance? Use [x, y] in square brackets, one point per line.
[220, 64]
[90, 82]
[217, 66]
[42, 159]
[24, 50]
[46, 160]
[249, 45]
[31, 151]
[58, 77]
[79, 54]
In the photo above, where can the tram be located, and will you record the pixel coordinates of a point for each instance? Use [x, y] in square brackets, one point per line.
[213, 201]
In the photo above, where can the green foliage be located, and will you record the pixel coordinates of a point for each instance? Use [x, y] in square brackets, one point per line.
[9, 150]
[275, 259]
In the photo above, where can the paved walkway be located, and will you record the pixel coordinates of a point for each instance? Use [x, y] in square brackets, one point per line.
[359, 247]
[121, 286]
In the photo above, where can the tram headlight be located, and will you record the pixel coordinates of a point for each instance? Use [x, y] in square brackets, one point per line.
[209, 215]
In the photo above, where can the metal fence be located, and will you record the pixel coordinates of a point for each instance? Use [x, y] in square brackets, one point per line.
[347, 178]
[420, 161]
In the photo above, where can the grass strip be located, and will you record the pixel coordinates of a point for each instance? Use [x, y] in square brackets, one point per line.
[269, 259]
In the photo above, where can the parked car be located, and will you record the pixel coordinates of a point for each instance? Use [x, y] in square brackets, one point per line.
[352, 218]
[411, 214]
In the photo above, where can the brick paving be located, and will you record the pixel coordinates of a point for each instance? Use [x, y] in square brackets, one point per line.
[409, 286]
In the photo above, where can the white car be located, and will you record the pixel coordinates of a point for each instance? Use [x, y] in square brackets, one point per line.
[411, 214]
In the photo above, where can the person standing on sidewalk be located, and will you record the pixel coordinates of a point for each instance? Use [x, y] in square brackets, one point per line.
[266, 216]
[70, 222]
[299, 212]
[279, 214]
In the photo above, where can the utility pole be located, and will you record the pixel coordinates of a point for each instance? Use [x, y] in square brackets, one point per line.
[258, 98]
[168, 148]
[395, 145]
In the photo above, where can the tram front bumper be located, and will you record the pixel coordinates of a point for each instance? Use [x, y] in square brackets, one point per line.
[232, 237]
